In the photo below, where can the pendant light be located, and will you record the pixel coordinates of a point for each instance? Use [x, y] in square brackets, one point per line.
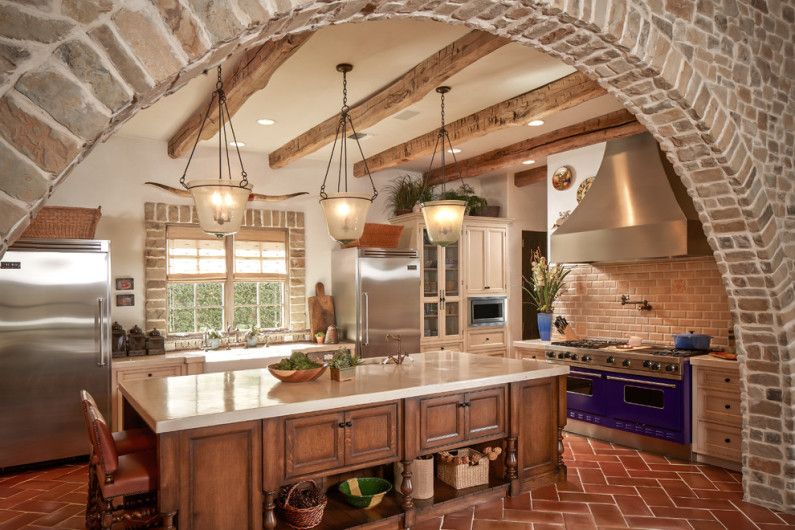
[220, 203]
[345, 212]
[443, 218]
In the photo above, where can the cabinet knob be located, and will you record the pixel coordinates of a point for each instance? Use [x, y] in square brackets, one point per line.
[341, 425]
[487, 287]
[487, 339]
[728, 380]
[349, 424]
[727, 406]
[148, 375]
[728, 440]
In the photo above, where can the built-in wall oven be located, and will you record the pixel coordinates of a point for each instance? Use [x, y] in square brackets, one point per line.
[487, 311]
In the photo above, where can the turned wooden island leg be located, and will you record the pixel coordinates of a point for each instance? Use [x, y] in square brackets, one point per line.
[269, 506]
[512, 466]
[406, 488]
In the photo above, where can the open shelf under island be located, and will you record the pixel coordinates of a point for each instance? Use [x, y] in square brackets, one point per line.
[228, 441]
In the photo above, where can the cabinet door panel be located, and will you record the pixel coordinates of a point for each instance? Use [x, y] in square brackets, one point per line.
[476, 260]
[486, 413]
[372, 434]
[441, 421]
[534, 406]
[314, 443]
[496, 262]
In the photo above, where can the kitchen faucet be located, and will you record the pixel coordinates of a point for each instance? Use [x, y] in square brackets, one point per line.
[400, 356]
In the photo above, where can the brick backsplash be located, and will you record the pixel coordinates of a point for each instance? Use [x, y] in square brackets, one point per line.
[684, 295]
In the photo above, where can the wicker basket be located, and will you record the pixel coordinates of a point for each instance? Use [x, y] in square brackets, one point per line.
[378, 236]
[302, 517]
[61, 222]
[464, 475]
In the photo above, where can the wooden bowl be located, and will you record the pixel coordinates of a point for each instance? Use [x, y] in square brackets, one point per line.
[296, 376]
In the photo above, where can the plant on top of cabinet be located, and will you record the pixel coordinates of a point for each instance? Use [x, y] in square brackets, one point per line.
[544, 287]
[405, 192]
[343, 365]
[465, 193]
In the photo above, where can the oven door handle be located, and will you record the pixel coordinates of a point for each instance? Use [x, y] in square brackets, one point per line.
[639, 382]
[590, 374]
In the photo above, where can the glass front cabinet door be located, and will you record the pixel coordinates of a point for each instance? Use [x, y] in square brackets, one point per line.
[442, 306]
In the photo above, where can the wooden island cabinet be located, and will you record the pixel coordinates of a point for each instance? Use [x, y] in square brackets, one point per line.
[228, 442]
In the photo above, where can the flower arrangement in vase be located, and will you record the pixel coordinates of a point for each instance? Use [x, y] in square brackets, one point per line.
[544, 286]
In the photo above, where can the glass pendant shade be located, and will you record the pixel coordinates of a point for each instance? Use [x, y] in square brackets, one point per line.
[345, 215]
[443, 220]
[220, 204]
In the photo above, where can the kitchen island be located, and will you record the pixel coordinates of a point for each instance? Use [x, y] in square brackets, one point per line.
[228, 441]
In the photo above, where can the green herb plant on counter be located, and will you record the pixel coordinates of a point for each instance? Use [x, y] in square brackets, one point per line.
[297, 361]
[343, 358]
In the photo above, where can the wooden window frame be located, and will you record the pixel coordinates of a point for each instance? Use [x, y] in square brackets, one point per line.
[180, 231]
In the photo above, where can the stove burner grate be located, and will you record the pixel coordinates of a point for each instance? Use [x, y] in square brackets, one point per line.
[675, 352]
[589, 343]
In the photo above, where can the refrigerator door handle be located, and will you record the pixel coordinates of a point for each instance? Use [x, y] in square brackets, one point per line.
[366, 318]
[99, 325]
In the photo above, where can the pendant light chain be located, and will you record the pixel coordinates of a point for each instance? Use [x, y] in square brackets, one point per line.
[224, 118]
[341, 135]
[442, 137]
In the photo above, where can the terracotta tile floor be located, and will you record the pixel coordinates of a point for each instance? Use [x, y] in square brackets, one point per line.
[608, 487]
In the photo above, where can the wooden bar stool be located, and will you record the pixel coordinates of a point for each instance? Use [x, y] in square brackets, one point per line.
[126, 484]
[128, 441]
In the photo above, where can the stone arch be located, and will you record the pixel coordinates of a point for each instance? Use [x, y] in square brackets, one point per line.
[712, 81]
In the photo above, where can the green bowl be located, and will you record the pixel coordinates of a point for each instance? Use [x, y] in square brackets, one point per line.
[364, 492]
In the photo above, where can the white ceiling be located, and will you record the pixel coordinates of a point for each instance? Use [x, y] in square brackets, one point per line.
[307, 90]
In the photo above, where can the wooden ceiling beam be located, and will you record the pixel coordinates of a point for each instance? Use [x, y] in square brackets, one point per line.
[403, 92]
[565, 93]
[606, 127]
[251, 74]
[530, 176]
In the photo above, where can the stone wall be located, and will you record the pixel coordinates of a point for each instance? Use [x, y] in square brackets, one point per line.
[158, 215]
[685, 295]
[711, 79]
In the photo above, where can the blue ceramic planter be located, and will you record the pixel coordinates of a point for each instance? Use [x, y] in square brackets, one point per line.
[545, 325]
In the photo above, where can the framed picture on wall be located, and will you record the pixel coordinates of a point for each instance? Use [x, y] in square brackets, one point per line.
[125, 284]
[125, 300]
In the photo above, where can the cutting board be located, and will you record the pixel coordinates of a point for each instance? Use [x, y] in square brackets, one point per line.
[321, 310]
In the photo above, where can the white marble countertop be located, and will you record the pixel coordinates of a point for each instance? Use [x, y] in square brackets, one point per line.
[533, 344]
[186, 402]
[713, 362]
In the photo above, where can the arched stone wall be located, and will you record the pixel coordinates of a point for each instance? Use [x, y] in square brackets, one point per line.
[711, 79]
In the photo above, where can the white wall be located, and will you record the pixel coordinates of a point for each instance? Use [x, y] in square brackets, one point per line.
[584, 163]
[113, 177]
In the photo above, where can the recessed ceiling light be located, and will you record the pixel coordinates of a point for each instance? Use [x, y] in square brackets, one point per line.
[528, 162]
[454, 151]
[265, 121]
[237, 144]
[535, 123]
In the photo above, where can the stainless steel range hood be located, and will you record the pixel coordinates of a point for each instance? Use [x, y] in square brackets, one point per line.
[636, 209]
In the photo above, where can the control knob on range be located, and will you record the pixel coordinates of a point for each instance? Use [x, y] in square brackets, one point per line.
[655, 366]
[611, 360]
[560, 356]
[671, 368]
[573, 357]
[587, 358]
[626, 363]
[550, 355]
[647, 363]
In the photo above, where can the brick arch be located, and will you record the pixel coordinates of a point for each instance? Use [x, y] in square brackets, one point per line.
[709, 80]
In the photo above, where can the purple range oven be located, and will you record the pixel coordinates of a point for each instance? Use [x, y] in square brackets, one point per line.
[643, 390]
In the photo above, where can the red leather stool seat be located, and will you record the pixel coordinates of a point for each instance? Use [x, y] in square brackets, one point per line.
[135, 473]
[134, 440]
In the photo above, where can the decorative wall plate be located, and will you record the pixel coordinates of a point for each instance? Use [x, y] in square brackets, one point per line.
[583, 188]
[562, 178]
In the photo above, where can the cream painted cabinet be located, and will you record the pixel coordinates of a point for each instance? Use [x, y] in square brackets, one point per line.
[441, 291]
[717, 420]
[486, 251]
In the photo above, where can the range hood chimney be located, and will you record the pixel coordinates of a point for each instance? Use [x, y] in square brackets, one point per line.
[636, 209]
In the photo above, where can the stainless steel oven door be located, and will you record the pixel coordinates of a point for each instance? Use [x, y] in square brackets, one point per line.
[646, 401]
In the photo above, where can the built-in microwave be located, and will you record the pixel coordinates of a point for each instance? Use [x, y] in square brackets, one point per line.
[487, 311]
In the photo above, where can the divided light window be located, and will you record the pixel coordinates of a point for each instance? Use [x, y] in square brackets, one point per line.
[212, 283]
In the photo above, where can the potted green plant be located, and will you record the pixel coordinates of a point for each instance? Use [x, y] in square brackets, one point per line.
[343, 365]
[404, 192]
[466, 193]
[252, 337]
[543, 287]
[213, 339]
[320, 337]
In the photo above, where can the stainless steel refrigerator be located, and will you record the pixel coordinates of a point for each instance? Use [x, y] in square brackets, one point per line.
[377, 293]
[54, 341]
